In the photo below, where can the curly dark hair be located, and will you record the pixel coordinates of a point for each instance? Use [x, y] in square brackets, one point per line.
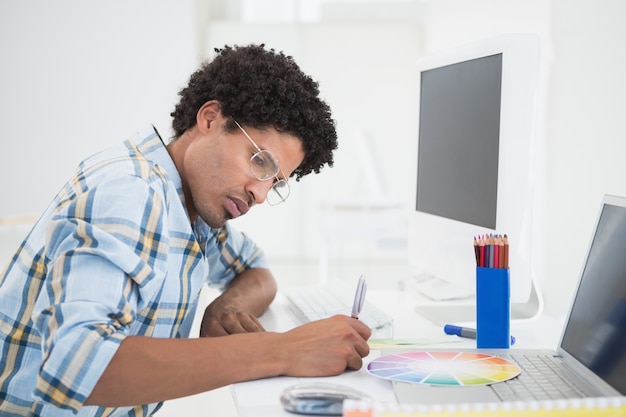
[262, 88]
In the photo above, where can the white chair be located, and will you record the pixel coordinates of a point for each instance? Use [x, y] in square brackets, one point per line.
[373, 214]
[12, 231]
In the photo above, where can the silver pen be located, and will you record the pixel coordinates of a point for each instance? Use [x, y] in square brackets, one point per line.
[359, 297]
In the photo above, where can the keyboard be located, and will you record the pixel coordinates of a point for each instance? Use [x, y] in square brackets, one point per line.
[309, 303]
[543, 377]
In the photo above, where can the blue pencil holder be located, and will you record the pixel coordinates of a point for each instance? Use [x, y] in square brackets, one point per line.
[493, 308]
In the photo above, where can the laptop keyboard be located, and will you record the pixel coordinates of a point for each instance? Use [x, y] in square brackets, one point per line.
[542, 378]
[316, 302]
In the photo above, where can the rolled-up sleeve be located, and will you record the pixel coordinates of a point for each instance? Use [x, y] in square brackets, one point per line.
[230, 252]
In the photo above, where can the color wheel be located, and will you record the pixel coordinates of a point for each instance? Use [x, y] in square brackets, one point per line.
[444, 368]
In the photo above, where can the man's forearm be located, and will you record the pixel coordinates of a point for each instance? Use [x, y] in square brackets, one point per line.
[146, 370]
[254, 290]
[237, 309]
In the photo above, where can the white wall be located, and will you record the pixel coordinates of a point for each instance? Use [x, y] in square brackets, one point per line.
[77, 76]
[586, 133]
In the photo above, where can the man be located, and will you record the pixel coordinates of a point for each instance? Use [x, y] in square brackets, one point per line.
[97, 302]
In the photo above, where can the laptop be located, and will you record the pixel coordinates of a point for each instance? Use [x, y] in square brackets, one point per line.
[590, 359]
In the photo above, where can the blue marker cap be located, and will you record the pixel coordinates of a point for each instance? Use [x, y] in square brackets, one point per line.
[467, 332]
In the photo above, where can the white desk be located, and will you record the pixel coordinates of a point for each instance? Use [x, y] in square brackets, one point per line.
[261, 398]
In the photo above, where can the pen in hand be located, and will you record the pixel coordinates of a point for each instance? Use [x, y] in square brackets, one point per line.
[359, 297]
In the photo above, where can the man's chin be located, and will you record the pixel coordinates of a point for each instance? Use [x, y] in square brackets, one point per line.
[214, 222]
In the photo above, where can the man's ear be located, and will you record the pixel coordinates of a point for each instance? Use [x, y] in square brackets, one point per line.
[209, 113]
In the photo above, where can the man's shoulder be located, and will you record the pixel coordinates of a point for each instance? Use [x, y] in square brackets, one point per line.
[137, 155]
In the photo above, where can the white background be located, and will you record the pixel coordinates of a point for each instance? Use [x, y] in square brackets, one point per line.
[78, 76]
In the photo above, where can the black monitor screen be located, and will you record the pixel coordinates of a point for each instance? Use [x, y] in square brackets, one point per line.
[458, 148]
[596, 329]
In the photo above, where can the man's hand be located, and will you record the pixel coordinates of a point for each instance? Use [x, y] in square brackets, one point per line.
[237, 308]
[221, 319]
[326, 347]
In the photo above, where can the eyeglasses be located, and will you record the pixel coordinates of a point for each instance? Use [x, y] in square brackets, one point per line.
[264, 166]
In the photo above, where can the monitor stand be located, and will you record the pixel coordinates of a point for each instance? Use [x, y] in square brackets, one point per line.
[445, 312]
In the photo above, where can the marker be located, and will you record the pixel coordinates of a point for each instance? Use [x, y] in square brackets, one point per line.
[466, 332]
[359, 297]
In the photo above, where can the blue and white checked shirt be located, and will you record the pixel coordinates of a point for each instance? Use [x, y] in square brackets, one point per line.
[114, 255]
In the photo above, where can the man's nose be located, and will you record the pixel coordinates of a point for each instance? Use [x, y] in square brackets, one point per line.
[260, 189]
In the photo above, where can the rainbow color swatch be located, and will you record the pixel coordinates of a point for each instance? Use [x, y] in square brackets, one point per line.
[444, 368]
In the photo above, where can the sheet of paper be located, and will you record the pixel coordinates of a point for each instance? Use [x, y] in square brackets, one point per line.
[409, 343]
[266, 392]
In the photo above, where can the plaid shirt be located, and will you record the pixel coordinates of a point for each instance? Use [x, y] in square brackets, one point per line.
[114, 255]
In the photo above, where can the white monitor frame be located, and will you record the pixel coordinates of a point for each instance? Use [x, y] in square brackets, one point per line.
[442, 247]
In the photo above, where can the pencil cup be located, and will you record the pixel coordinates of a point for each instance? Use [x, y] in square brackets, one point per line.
[493, 308]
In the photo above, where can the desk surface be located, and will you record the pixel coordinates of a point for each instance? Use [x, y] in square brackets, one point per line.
[261, 398]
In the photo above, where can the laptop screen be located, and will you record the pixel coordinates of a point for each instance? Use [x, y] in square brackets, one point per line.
[596, 330]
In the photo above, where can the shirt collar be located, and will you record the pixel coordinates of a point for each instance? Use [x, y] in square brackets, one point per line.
[152, 146]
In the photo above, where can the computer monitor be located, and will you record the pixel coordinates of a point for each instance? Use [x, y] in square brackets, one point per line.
[474, 158]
